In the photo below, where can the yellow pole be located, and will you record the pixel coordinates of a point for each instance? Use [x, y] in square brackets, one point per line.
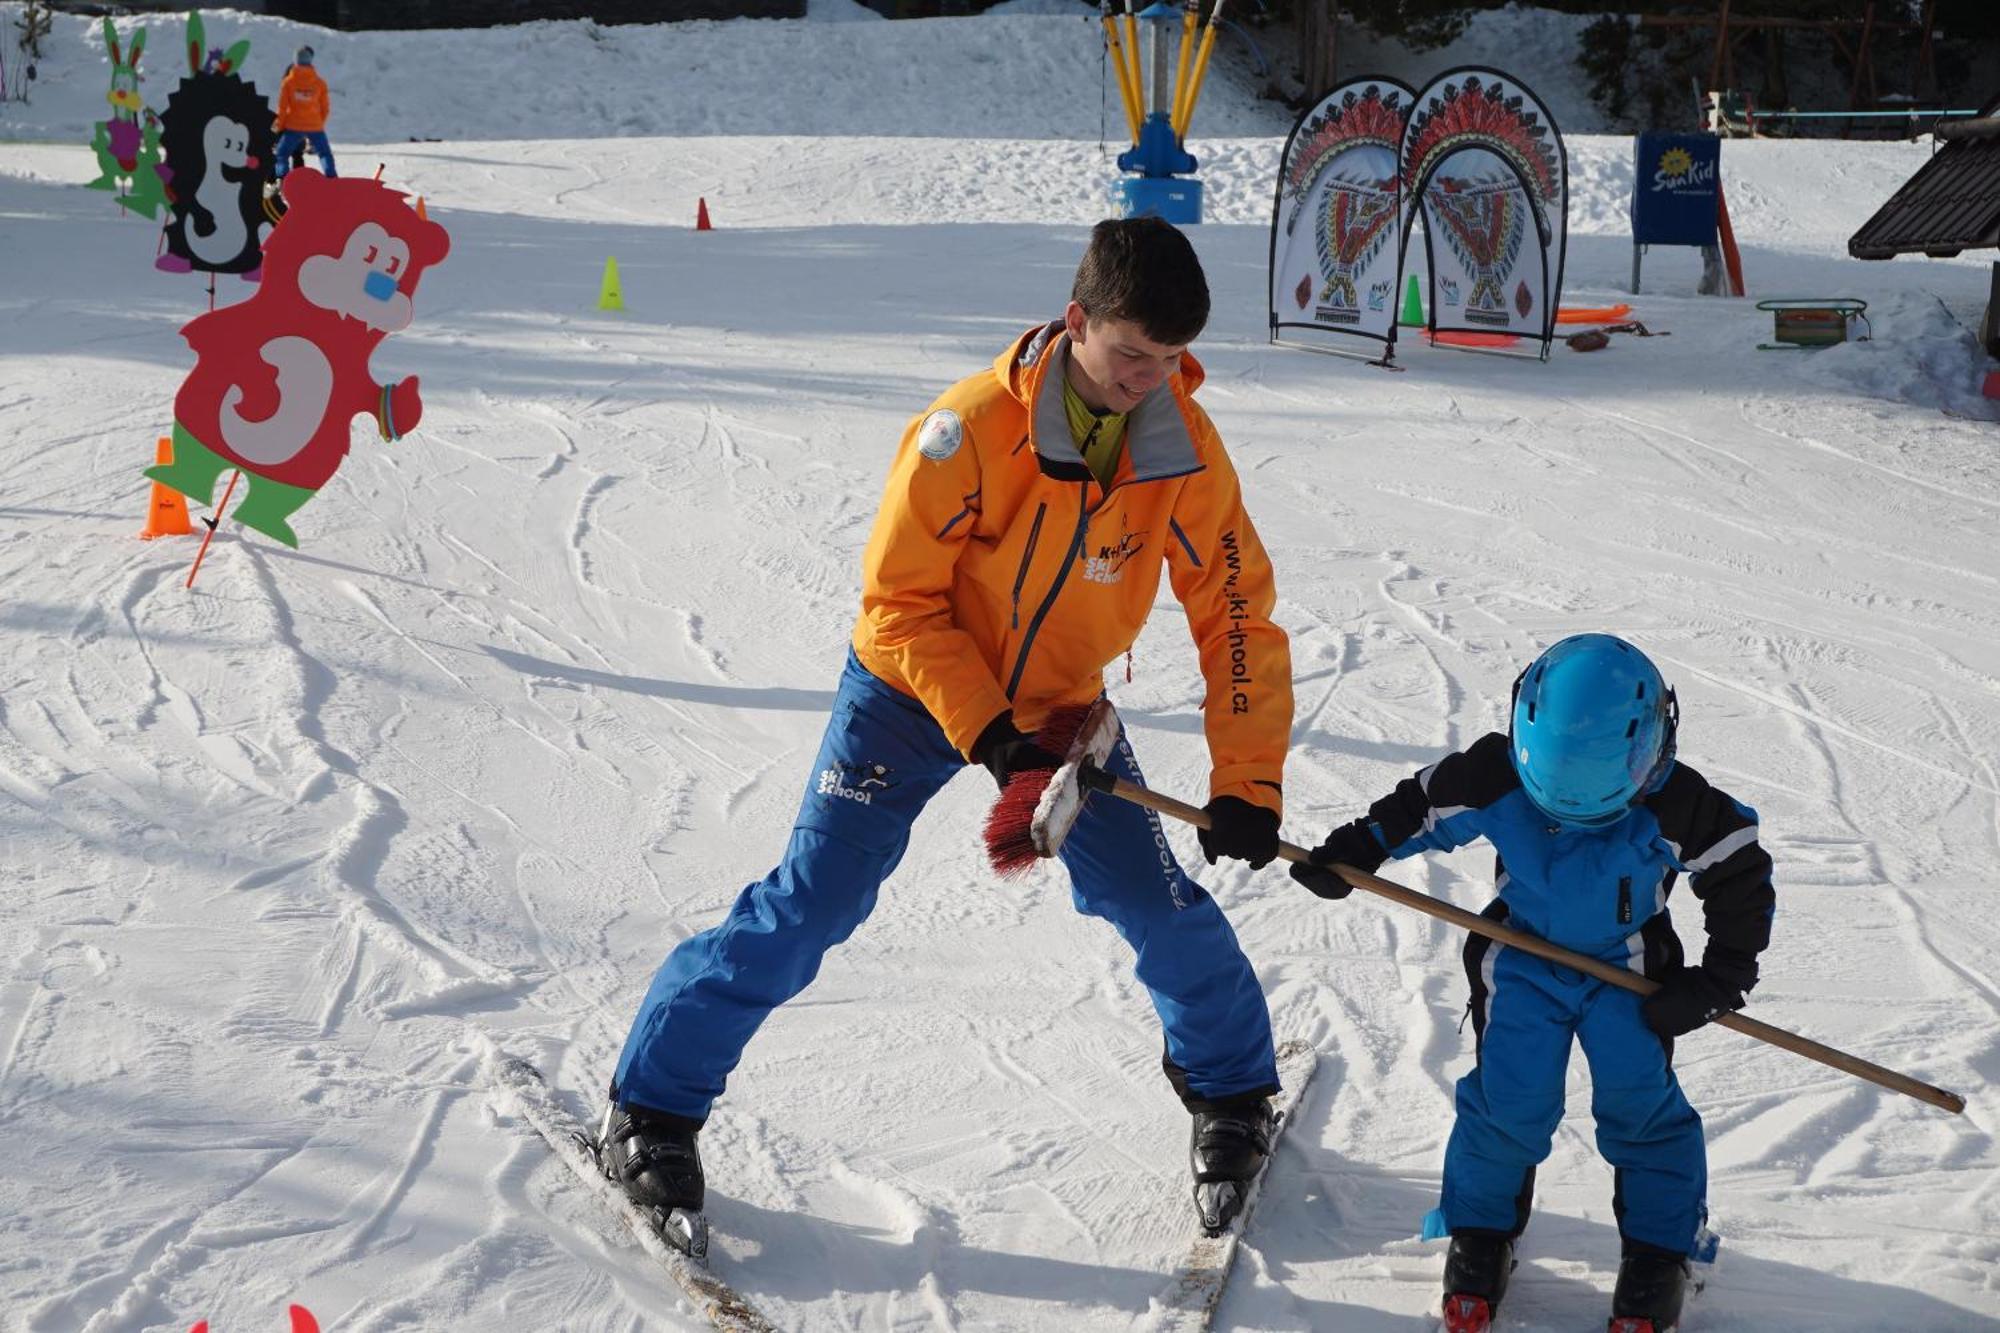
[1124, 82]
[1132, 54]
[1189, 13]
[1200, 69]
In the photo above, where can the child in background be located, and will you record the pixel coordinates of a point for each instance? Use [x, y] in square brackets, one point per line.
[1592, 819]
[302, 112]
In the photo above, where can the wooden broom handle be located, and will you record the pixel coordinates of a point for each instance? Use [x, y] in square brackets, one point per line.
[1555, 953]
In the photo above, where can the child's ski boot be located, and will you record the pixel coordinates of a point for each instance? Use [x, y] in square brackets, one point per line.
[1475, 1278]
[1652, 1284]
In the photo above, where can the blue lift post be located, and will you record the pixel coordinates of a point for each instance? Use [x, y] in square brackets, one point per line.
[1164, 186]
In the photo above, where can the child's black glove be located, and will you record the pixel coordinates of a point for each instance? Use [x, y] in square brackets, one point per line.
[1351, 844]
[1686, 1000]
[1239, 829]
[1005, 751]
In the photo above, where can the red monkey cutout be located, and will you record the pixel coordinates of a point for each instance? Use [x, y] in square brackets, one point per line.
[278, 378]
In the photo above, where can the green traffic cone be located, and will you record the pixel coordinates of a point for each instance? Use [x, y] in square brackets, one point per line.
[1413, 306]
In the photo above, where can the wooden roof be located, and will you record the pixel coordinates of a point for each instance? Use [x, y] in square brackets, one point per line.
[1952, 203]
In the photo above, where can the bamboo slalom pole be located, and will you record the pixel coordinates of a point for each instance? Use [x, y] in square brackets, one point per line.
[1623, 978]
[1117, 53]
[1186, 110]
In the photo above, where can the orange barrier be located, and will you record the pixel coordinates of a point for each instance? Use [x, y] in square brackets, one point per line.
[1732, 258]
[1584, 314]
[1470, 338]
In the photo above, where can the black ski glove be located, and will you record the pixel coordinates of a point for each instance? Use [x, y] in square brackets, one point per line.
[1686, 1000]
[1351, 844]
[1239, 829]
[1005, 751]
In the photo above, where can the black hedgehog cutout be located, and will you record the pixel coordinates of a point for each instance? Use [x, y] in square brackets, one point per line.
[217, 137]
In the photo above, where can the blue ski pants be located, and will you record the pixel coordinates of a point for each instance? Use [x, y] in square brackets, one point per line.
[290, 141]
[1525, 1013]
[882, 759]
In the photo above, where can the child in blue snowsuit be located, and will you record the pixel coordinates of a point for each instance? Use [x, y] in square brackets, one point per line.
[1592, 820]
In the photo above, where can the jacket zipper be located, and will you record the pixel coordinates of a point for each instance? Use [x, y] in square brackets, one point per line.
[1084, 450]
[1069, 558]
[1027, 558]
[1624, 900]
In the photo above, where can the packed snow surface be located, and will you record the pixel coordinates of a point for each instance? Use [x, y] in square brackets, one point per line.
[291, 855]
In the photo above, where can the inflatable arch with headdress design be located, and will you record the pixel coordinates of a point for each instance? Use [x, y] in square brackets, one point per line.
[1474, 157]
[1485, 170]
[1337, 223]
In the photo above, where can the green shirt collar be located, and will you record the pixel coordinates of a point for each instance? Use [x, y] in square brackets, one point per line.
[1099, 436]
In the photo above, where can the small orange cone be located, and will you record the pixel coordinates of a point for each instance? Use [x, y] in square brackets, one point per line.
[167, 515]
[701, 222]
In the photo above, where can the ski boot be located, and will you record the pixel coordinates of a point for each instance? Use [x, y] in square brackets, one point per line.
[1226, 1150]
[1475, 1278]
[1652, 1284]
[654, 1159]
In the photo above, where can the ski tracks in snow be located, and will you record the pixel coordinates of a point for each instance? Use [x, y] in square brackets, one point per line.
[539, 694]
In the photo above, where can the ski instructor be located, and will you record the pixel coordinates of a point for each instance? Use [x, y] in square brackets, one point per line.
[1017, 553]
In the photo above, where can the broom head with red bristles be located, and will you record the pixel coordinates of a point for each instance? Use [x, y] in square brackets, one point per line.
[1038, 807]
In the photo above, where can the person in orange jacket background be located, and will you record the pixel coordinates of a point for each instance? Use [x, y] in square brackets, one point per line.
[1018, 551]
[302, 112]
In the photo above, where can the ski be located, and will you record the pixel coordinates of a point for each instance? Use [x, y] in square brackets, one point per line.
[522, 1084]
[1189, 1304]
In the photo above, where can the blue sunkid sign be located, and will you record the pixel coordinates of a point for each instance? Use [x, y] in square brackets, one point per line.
[1674, 189]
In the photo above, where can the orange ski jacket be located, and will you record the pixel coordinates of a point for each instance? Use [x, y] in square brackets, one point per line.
[1001, 574]
[302, 100]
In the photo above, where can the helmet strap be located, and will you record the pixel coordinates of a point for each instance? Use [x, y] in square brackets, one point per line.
[1669, 746]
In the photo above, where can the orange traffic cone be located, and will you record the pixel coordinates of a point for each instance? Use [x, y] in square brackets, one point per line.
[701, 222]
[167, 515]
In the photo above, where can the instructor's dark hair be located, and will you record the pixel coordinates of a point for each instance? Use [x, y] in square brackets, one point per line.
[1144, 271]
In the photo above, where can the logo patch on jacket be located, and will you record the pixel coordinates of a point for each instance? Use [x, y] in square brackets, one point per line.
[940, 435]
[854, 782]
[1108, 565]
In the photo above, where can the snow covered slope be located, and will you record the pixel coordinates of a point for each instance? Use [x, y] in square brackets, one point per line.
[1011, 74]
[285, 857]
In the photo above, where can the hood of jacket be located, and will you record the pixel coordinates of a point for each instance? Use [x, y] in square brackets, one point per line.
[1159, 438]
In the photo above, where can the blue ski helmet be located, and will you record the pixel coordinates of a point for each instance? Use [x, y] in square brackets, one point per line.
[1593, 729]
